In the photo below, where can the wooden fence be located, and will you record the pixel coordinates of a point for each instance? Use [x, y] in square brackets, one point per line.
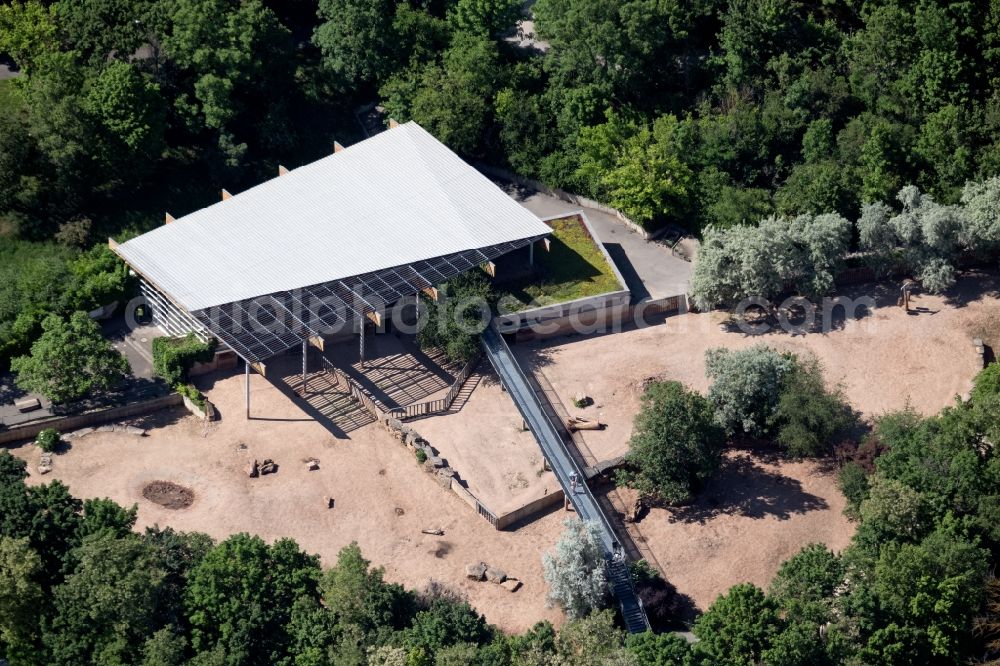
[367, 400]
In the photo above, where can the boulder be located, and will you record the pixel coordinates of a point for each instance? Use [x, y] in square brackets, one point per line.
[132, 430]
[411, 437]
[444, 477]
[327, 502]
[495, 575]
[82, 432]
[253, 470]
[475, 571]
[511, 585]
[312, 465]
[393, 425]
[268, 467]
[435, 462]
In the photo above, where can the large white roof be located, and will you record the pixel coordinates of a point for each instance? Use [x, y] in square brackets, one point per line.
[394, 199]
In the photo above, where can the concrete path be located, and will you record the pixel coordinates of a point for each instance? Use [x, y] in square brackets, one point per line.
[650, 269]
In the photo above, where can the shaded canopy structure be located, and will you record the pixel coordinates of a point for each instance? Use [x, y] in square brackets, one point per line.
[324, 247]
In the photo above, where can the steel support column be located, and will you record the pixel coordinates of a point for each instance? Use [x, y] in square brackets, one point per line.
[246, 374]
[305, 358]
[531, 253]
[361, 342]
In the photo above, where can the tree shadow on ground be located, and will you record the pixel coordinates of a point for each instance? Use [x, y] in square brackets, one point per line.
[972, 286]
[742, 487]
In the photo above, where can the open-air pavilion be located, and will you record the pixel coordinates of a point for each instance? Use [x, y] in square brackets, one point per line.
[325, 248]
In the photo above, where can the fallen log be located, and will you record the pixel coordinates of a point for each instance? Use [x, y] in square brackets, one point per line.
[577, 423]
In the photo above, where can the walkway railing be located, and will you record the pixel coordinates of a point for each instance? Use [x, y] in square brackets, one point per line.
[367, 400]
[566, 469]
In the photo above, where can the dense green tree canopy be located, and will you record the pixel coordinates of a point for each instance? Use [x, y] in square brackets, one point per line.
[70, 359]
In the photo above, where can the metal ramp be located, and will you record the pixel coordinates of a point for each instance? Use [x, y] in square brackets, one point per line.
[566, 470]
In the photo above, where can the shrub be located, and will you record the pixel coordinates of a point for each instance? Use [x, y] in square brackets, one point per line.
[48, 439]
[421, 456]
[174, 357]
[808, 416]
[986, 385]
[746, 387]
[853, 482]
[676, 444]
[191, 393]
[575, 571]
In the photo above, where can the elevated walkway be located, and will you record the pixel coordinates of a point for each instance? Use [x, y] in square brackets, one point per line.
[568, 472]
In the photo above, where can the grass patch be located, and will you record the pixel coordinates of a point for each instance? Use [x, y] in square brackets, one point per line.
[574, 268]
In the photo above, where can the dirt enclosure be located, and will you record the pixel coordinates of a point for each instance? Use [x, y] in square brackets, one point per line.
[755, 513]
[758, 510]
[381, 497]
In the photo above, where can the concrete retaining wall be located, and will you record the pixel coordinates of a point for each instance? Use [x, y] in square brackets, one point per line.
[76, 421]
[530, 509]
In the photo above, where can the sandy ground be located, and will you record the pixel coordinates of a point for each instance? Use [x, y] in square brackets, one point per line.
[883, 362]
[754, 514]
[371, 477]
[485, 442]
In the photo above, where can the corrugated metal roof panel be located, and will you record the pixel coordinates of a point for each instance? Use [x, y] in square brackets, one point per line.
[396, 198]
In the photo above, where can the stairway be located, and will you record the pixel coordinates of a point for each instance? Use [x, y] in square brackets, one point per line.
[621, 584]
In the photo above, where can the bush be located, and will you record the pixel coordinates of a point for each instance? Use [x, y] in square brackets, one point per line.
[853, 482]
[174, 357]
[191, 393]
[808, 415]
[986, 385]
[575, 571]
[421, 456]
[746, 387]
[48, 439]
[676, 445]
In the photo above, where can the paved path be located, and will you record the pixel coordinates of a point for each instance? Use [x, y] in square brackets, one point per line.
[566, 471]
[649, 267]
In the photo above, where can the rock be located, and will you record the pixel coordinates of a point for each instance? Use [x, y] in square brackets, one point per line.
[312, 465]
[268, 467]
[475, 571]
[412, 437]
[444, 477]
[435, 532]
[393, 425]
[399, 511]
[328, 502]
[132, 430]
[82, 432]
[44, 469]
[495, 575]
[253, 470]
[511, 585]
[105, 428]
[435, 462]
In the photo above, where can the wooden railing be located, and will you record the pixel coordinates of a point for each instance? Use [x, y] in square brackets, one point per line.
[440, 404]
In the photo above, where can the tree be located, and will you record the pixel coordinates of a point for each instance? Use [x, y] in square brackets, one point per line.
[357, 594]
[665, 649]
[132, 113]
[981, 213]
[446, 622]
[452, 99]
[746, 387]
[746, 261]
[737, 627]
[107, 516]
[676, 444]
[484, 17]
[591, 641]
[102, 29]
[240, 595]
[575, 570]
[356, 40]
[457, 317]
[27, 31]
[21, 600]
[107, 606]
[69, 360]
